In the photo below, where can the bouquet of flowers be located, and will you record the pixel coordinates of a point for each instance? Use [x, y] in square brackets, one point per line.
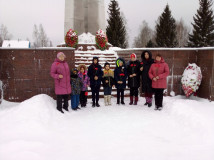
[101, 39]
[71, 38]
[191, 79]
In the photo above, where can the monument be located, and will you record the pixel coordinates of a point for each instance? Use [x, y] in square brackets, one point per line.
[84, 16]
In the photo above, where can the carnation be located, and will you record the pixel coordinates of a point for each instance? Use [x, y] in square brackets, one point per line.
[71, 38]
[101, 39]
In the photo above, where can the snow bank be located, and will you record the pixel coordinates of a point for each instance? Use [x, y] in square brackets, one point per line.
[34, 130]
[15, 44]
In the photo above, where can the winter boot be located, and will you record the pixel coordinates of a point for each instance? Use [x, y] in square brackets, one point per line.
[97, 104]
[118, 100]
[60, 110]
[93, 104]
[136, 100]
[65, 108]
[109, 99]
[106, 100]
[149, 100]
[131, 100]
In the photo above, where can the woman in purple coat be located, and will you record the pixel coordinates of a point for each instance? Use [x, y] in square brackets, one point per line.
[61, 73]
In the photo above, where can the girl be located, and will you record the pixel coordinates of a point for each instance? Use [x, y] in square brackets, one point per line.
[76, 86]
[120, 75]
[146, 63]
[158, 74]
[108, 83]
[133, 71]
[61, 73]
[85, 84]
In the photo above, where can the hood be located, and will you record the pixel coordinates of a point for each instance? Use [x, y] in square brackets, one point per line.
[74, 75]
[120, 59]
[82, 65]
[143, 55]
[95, 58]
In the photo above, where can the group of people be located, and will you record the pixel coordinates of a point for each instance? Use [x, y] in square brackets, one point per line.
[75, 83]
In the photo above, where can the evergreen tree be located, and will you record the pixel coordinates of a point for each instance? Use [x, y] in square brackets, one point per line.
[150, 44]
[203, 26]
[166, 30]
[116, 30]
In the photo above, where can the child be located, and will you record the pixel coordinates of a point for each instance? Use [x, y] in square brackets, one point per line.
[158, 73]
[61, 73]
[146, 63]
[95, 74]
[108, 83]
[85, 84]
[120, 75]
[133, 71]
[76, 86]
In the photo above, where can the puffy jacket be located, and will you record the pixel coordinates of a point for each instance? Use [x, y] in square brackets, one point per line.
[146, 64]
[133, 68]
[160, 69]
[62, 85]
[109, 76]
[120, 74]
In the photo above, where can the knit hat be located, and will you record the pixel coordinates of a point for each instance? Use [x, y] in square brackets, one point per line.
[59, 54]
[133, 55]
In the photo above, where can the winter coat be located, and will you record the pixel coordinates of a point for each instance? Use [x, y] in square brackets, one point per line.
[109, 76]
[133, 68]
[120, 74]
[95, 70]
[76, 84]
[62, 85]
[85, 80]
[160, 69]
[146, 64]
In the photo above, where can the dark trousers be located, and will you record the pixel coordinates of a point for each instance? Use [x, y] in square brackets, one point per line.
[62, 99]
[107, 90]
[83, 98]
[95, 93]
[158, 97]
[120, 93]
[134, 91]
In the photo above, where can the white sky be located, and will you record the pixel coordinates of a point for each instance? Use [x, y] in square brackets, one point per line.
[20, 15]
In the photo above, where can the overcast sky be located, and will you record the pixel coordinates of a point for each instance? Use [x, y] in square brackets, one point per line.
[20, 15]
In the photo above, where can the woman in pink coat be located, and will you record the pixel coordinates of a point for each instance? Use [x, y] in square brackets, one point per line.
[61, 73]
[158, 73]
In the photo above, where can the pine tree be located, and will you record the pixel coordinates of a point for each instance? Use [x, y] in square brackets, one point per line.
[203, 26]
[150, 44]
[116, 30]
[166, 30]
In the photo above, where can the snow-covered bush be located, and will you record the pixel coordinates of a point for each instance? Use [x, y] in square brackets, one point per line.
[191, 79]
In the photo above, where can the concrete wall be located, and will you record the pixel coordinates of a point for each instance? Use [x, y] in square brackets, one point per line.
[177, 60]
[26, 72]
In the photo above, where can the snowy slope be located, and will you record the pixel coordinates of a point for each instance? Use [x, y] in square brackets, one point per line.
[34, 130]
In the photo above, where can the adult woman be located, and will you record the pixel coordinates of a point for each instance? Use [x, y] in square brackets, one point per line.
[158, 74]
[146, 63]
[61, 73]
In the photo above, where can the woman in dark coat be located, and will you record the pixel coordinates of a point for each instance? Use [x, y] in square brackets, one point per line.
[120, 75]
[133, 71]
[146, 63]
[95, 74]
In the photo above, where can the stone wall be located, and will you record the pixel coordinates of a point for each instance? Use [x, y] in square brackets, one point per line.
[26, 72]
[177, 60]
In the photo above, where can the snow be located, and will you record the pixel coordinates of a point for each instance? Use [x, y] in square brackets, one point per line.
[35, 130]
[15, 44]
[167, 49]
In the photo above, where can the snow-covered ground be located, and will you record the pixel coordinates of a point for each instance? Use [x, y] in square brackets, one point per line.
[34, 130]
